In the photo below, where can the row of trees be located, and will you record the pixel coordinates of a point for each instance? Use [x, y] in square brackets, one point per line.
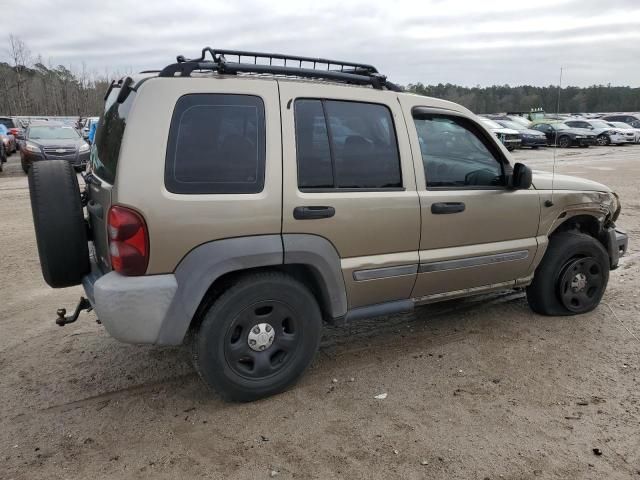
[29, 87]
[503, 98]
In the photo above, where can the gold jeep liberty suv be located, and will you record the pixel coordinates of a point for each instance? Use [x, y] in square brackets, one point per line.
[241, 199]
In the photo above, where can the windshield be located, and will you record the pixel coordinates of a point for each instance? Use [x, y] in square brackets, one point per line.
[491, 123]
[52, 133]
[599, 124]
[560, 126]
[510, 124]
[7, 122]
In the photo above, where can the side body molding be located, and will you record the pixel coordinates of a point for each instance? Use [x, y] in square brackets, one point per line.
[206, 263]
[321, 256]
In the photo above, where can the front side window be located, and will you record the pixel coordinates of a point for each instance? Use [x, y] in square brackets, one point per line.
[347, 145]
[216, 145]
[455, 154]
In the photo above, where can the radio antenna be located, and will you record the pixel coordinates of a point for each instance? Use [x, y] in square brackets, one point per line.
[549, 203]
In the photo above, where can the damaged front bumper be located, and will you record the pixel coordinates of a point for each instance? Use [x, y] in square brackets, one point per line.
[617, 243]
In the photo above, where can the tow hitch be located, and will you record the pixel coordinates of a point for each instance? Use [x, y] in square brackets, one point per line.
[63, 320]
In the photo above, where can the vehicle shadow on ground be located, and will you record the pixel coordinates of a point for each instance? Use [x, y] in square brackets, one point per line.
[147, 370]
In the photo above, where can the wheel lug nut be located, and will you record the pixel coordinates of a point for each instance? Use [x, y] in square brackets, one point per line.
[256, 330]
[252, 342]
[261, 347]
[268, 328]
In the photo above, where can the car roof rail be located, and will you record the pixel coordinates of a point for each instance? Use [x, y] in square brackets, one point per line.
[259, 63]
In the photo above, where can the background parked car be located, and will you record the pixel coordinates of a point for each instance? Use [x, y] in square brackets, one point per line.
[632, 119]
[90, 124]
[53, 141]
[510, 138]
[626, 128]
[13, 127]
[3, 155]
[8, 140]
[564, 135]
[530, 138]
[605, 134]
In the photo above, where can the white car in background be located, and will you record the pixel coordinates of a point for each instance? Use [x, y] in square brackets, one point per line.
[627, 130]
[605, 133]
[510, 138]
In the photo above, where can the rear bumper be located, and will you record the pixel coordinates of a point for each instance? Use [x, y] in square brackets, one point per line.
[617, 243]
[132, 309]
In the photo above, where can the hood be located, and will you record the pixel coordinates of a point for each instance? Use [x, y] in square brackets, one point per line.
[506, 131]
[529, 131]
[72, 142]
[542, 181]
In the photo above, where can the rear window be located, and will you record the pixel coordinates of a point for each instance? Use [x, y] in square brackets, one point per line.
[216, 145]
[108, 138]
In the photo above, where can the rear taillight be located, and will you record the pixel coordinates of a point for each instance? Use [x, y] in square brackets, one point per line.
[14, 131]
[128, 241]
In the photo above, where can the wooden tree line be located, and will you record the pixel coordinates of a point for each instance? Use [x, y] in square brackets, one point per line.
[29, 87]
[504, 98]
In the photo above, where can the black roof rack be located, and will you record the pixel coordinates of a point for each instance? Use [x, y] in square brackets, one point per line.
[278, 64]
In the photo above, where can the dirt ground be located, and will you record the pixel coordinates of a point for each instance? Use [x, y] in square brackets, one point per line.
[476, 389]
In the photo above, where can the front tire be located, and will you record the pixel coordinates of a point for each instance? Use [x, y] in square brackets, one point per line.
[603, 140]
[564, 142]
[258, 337]
[572, 277]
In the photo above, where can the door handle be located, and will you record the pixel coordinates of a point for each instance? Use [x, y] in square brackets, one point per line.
[447, 207]
[95, 209]
[313, 212]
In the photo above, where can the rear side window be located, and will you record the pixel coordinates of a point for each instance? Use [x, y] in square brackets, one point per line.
[216, 145]
[345, 145]
[108, 138]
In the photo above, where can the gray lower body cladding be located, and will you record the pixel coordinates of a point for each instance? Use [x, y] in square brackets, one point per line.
[158, 309]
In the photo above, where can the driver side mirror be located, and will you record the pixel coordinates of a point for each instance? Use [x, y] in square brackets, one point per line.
[521, 177]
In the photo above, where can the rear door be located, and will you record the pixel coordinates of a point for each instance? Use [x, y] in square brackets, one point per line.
[348, 177]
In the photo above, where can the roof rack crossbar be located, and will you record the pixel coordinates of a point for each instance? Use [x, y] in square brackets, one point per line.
[307, 67]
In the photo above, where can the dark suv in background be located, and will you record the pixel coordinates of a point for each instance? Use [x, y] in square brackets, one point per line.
[53, 141]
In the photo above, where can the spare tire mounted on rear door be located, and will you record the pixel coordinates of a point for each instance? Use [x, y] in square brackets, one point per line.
[59, 223]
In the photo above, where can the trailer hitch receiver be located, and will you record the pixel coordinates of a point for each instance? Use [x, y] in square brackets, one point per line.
[63, 319]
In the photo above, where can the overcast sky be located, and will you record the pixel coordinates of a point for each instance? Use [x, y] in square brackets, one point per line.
[467, 42]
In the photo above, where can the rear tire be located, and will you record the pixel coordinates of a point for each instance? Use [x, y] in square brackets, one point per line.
[58, 218]
[258, 337]
[572, 277]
